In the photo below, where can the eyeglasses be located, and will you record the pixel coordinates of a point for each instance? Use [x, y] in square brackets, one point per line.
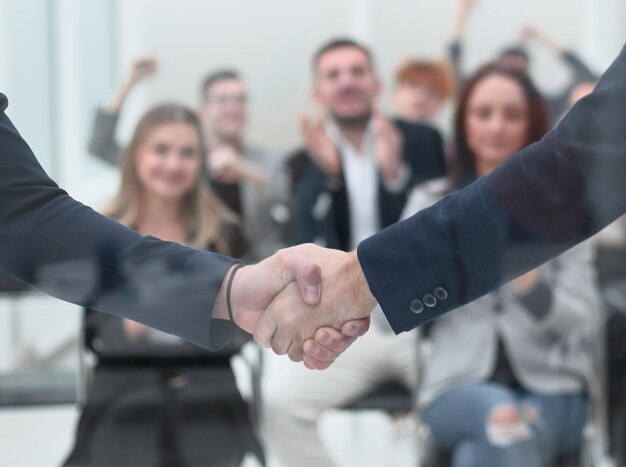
[222, 99]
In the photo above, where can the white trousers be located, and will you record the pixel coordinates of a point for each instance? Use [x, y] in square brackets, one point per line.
[295, 397]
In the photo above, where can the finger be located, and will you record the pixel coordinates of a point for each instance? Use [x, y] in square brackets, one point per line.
[333, 341]
[356, 327]
[320, 114]
[307, 274]
[313, 363]
[378, 120]
[295, 353]
[319, 122]
[264, 331]
[287, 341]
[280, 344]
[316, 350]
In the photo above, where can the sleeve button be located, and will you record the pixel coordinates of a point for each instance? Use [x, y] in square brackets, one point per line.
[417, 306]
[440, 293]
[429, 300]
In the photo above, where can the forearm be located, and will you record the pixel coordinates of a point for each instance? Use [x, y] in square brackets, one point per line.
[578, 69]
[541, 202]
[67, 250]
[459, 24]
[117, 101]
[551, 42]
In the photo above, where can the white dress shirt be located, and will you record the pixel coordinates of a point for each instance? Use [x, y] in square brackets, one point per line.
[360, 172]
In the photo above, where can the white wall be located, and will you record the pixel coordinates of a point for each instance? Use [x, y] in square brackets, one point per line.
[271, 43]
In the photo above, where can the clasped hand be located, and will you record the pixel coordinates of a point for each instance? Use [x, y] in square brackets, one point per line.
[307, 302]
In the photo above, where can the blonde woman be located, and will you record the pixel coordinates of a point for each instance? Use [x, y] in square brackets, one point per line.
[162, 194]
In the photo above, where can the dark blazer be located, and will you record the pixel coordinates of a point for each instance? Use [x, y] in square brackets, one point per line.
[548, 197]
[56, 244]
[320, 208]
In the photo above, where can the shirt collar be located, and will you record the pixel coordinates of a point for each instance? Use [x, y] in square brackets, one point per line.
[335, 135]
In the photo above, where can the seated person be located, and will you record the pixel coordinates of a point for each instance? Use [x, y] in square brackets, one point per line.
[247, 179]
[506, 376]
[156, 399]
[351, 180]
[516, 56]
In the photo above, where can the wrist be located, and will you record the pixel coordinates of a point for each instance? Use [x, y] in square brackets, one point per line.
[362, 296]
[224, 306]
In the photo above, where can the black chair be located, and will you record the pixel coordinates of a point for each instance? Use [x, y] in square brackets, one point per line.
[392, 397]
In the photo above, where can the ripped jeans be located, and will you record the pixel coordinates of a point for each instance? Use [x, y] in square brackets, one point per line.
[489, 425]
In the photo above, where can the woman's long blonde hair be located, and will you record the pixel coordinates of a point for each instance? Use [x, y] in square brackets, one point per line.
[203, 214]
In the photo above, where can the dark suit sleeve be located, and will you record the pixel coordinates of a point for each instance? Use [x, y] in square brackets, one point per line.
[56, 244]
[542, 201]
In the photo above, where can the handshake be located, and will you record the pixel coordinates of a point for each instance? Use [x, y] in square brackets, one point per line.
[307, 302]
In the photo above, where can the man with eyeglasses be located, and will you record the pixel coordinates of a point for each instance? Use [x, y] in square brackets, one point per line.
[250, 180]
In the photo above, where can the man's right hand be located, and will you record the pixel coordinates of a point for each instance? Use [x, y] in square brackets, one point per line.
[319, 146]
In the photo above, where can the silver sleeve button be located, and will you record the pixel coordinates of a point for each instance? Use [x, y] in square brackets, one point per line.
[417, 306]
[440, 293]
[429, 300]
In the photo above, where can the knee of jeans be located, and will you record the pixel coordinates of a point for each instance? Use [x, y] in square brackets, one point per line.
[506, 426]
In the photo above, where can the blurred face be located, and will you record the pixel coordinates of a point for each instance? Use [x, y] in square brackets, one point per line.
[496, 123]
[346, 85]
[416, 102]
[169, 162]
[224, 109]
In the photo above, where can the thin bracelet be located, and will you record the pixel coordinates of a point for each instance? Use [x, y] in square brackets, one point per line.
[229, 287]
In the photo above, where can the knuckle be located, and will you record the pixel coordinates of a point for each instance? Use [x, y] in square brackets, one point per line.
[295, 356]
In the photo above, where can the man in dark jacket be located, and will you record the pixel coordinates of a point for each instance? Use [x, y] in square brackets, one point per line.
[353, 178]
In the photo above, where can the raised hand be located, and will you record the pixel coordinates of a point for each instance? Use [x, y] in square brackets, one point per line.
[389, 144]
[225, 164]
[533, 32]
[143, 67]
[319, 146]
[462, 12]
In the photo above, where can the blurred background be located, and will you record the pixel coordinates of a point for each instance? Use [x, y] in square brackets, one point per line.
[61, 59]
